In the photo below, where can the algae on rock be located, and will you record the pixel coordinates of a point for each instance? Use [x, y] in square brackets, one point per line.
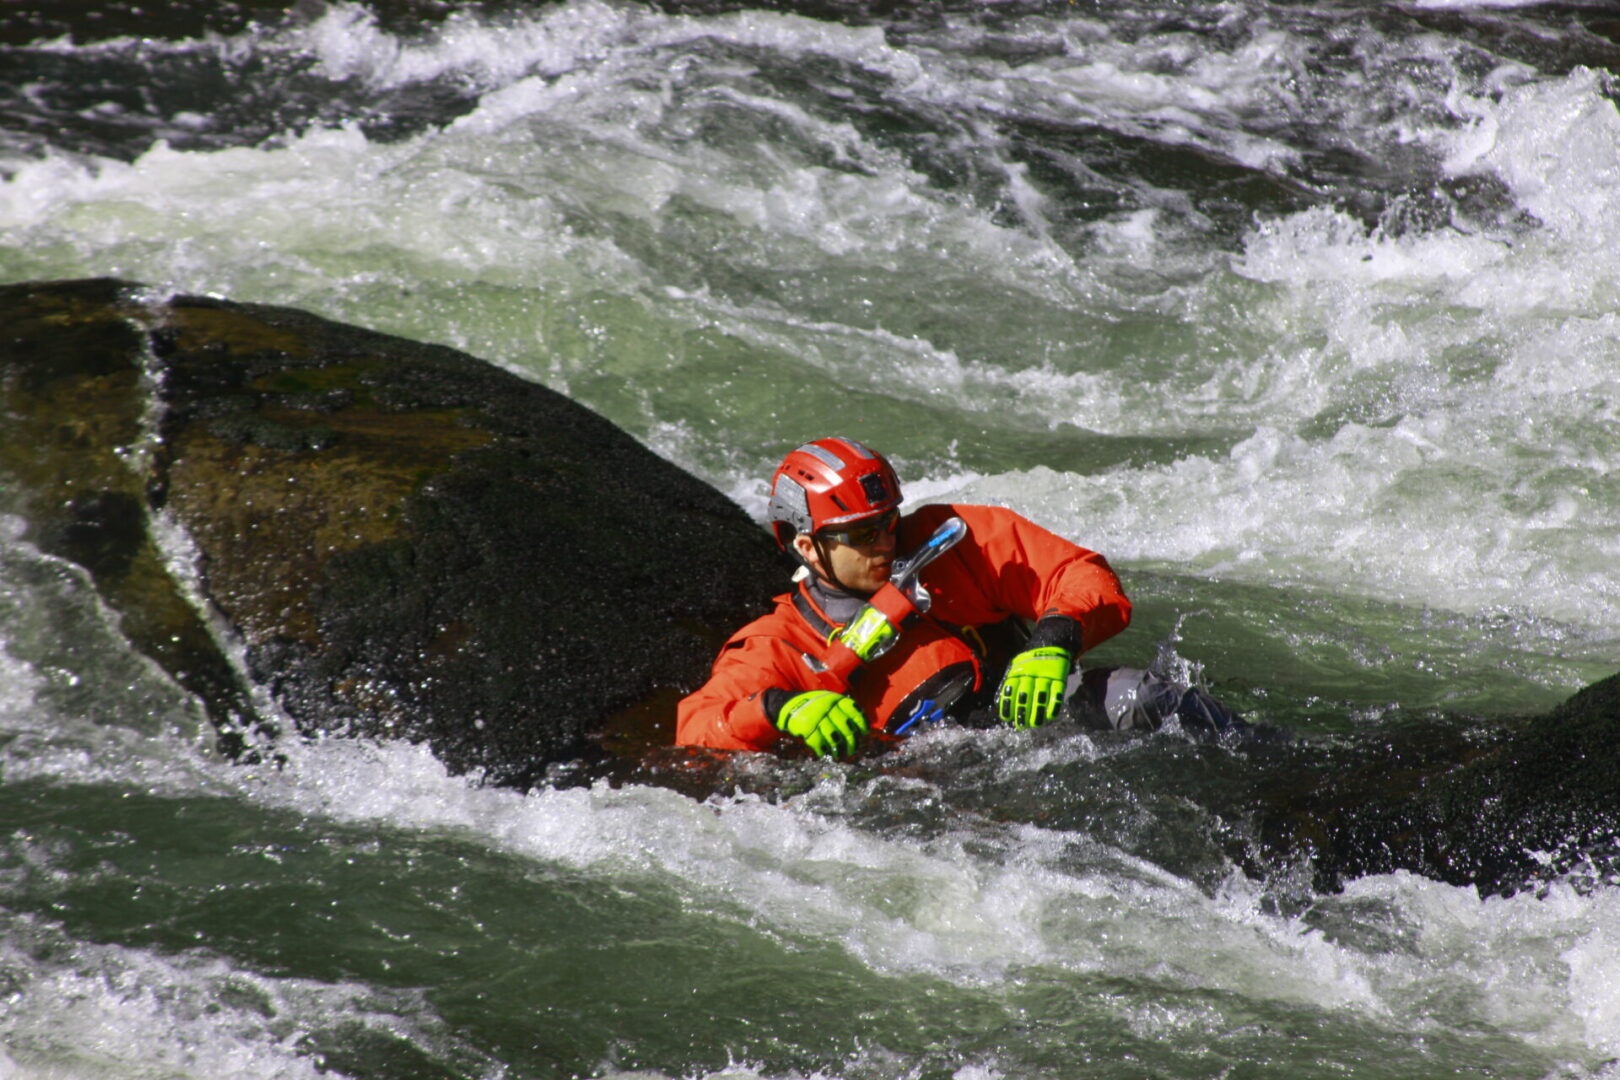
[407, 540]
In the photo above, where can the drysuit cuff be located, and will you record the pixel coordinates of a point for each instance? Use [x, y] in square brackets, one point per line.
[772, 701]
[1060, 631]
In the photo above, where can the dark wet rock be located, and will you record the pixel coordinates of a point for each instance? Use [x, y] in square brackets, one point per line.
[406, 540]
[1534, 800]
[1501, 807]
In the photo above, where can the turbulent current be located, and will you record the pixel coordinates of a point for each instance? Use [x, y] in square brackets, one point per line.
[1306, 314]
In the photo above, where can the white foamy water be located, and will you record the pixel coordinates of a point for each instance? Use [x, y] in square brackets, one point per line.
[984, 904]
[82, 1011]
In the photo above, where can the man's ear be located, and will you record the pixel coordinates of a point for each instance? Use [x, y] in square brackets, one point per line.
[806, 550]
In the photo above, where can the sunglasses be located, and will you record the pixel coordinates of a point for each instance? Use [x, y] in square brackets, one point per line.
[865, 533]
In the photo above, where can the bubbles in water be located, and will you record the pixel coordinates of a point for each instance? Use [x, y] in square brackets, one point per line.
[80, 1009]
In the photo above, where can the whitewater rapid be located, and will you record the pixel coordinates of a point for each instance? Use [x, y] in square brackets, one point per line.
[1423, 417]
[1305, 318]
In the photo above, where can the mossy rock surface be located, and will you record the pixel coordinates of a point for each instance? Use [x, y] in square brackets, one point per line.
[407, 540]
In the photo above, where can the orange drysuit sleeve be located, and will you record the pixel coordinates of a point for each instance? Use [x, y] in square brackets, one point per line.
[728, 711]
[1008, 565]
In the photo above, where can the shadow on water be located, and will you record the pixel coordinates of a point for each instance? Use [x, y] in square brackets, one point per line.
[1176, 802]
[26, 21]
[117, 101]
[1298, 815]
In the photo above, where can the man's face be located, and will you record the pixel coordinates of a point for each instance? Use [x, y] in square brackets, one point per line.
[862, 568]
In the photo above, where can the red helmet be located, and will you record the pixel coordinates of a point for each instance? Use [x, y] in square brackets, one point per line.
[829, 482]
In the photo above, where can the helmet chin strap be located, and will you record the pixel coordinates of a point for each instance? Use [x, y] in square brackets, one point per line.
[826, 572]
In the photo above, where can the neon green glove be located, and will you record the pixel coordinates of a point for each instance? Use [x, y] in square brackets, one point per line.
[1031, 692]
[828, 723]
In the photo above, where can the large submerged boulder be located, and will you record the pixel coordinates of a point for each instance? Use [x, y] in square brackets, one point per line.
[394, 537]
[1528, 801]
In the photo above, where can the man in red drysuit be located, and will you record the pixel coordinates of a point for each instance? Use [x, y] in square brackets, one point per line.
[995, 625]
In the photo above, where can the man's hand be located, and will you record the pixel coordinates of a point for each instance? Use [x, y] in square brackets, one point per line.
[1032, 690]
[829, 723]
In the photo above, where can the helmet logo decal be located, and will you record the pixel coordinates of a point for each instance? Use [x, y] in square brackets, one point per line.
[876, 489]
